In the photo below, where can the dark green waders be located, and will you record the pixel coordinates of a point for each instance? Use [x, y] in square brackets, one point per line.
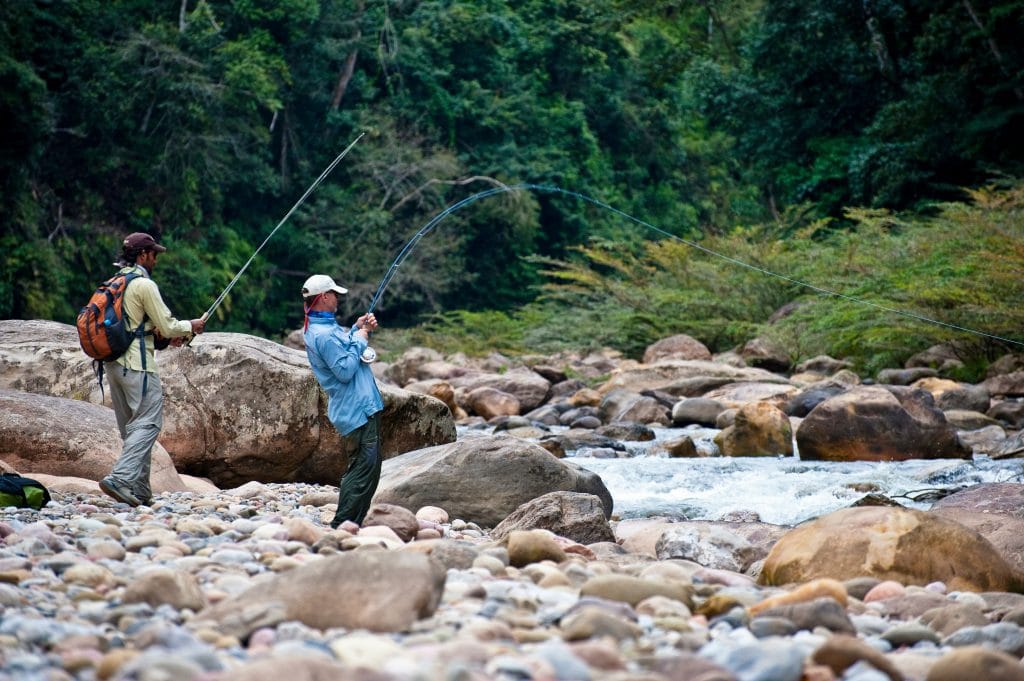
[360, 480]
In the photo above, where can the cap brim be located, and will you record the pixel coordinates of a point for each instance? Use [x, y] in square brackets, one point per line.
[158, 248]
[338, 289]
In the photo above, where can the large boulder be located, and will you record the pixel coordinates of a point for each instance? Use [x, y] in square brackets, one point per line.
[759, 429]
[869, 423]
[69, 438]
[526, 385]
[995, 510]
[385, 591]
[43, 357]
[684, 378]
[236, 407]
[482, 479]
[890, 543]
[679, 346]
[266, 418]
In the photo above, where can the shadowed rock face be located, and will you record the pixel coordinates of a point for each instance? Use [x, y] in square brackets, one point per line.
[482, 479]
[236, 408]
[869, 423]
[903, 545]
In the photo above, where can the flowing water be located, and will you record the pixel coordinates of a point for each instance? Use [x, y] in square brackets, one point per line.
[782, 490]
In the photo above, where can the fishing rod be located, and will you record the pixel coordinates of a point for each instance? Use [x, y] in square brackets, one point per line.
[310, 190]
[527, 186]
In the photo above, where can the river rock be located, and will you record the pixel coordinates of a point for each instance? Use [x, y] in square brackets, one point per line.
[624, 405]
[679, 346]
[698, 410]
[682, 377]
[710, 545]
[573, 515]
[400, 520]
[527, 386]
[1009, 412]
[63, 437]
[405, 369]
[736, 395]
[767, 354]
[759, 429]
[490, 403]
[976, 662]
[383, 591]
[1005, 385]
[483, 479]
[888, 543]
[995, 510]
[869, 423]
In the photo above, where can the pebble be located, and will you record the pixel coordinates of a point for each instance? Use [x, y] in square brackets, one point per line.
[91, 590]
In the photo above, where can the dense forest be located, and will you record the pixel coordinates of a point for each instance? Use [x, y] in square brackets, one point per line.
[783, 132]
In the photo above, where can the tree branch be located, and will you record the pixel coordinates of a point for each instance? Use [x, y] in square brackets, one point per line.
[992, 46]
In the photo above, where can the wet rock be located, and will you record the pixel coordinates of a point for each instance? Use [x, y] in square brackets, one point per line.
[869, 423]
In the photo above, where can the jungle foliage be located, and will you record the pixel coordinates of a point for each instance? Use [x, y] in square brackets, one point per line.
[725, 121]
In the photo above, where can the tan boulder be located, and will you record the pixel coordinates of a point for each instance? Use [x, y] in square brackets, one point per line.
[236, 407]
[684, 378]
[44, 357]
[406, 368]
[735, 395]
[482, 479]
[242, 408]
[626, 406]
[385, 591]
[527, 386]
[490, 402]
[759, 429]
[869, 423]
[679, 346]
[69, 438]
[1005, 385]
[889, 543]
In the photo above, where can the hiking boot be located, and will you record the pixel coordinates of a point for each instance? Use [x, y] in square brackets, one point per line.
[118, 492]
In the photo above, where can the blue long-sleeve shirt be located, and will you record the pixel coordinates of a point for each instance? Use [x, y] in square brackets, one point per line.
[333, 351]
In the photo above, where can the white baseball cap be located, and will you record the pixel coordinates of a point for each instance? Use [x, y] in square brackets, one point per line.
[320, 283]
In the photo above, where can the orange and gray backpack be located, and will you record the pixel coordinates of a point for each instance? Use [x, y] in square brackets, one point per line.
[103, 329]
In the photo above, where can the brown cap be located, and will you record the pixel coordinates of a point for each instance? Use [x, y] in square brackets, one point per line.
[140, 241]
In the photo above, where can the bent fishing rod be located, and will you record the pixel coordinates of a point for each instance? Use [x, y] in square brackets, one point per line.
[526, 186]
[302, 199]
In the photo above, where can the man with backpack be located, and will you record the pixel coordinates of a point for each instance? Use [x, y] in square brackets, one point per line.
[340, 363]
[135, 390]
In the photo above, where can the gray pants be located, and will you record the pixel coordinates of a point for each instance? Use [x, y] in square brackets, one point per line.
[139, 418]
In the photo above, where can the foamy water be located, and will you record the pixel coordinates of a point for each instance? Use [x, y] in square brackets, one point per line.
[781, 490]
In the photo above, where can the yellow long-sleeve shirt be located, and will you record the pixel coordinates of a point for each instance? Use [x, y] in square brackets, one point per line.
[142, 297]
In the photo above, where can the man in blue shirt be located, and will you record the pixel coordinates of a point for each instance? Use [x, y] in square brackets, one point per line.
[353, 400]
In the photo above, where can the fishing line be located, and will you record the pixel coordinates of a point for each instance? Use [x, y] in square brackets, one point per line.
[312, 188]
[427, 228]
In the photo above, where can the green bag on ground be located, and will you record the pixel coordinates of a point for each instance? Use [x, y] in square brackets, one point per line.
[22, 492]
